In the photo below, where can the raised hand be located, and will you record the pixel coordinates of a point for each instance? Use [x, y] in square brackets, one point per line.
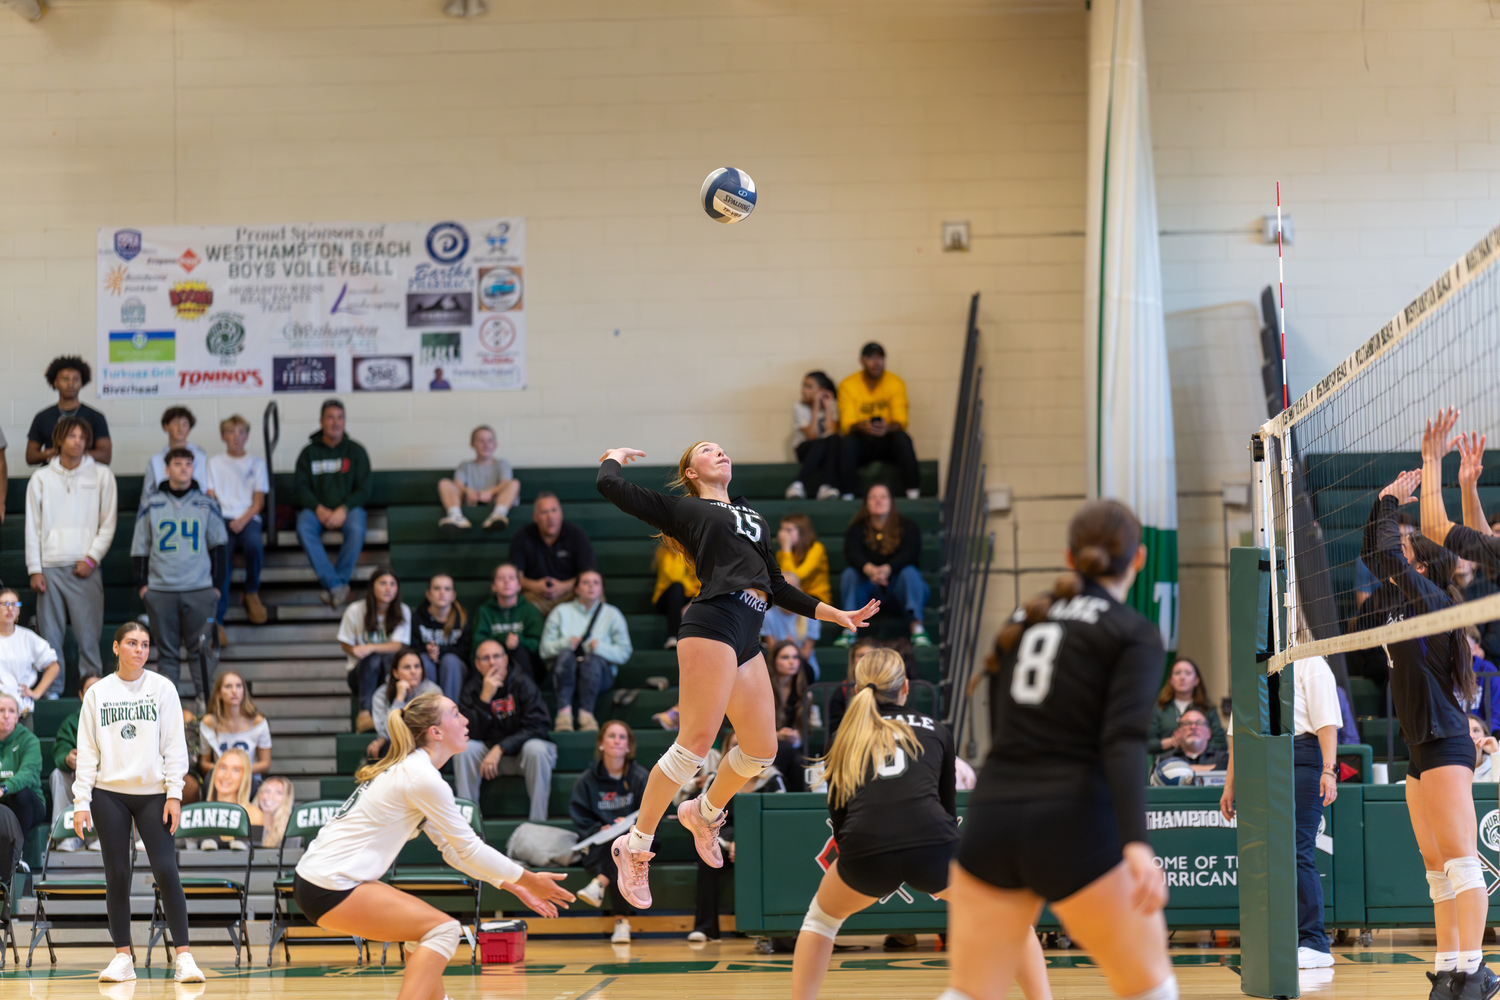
[1404, 488]
[622, 455]
[1470, 458]
[1435, 441]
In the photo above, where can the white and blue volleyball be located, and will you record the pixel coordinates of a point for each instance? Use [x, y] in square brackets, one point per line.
[728, 195]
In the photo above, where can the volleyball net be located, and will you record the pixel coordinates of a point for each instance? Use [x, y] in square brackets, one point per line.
[1322, 463]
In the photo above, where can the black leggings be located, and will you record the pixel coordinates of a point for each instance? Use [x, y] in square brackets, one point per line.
[112, 814]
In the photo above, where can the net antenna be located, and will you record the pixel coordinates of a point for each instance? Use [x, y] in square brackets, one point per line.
[1331, 451]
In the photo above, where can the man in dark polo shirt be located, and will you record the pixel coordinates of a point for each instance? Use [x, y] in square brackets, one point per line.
[549, 553]
[68, 375]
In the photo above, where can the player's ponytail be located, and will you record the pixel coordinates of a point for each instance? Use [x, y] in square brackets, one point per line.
[403, 724]
[866, 739]
[688, 486]
[1440, 566]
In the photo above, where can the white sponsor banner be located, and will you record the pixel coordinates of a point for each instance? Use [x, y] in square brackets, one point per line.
[314, 307]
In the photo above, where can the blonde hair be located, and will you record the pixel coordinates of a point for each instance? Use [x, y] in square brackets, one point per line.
[420, 713]
[242, 795]
[274, 823]
[233, 421]
[865, 739]
[690, 486]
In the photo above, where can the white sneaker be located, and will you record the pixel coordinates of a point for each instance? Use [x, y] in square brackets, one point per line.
[456, 523]
[913, 494]
[592, 894]
[120, 969]
[239, 845]
[94, 845]
[1311, 958]
[140, 845]
[796, 491]
[208, 844]
[69, 845]
[187, 970]
[697, 937]
[622, 932]
[826, 492]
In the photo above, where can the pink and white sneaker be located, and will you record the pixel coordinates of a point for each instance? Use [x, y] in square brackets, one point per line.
[634, 868]
[705, 834]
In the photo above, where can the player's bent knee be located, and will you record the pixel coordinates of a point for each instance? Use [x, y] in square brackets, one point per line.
[1465, 874]
[1165, 990]
[745, 765]
[442, 939]
[819, 922]
[1439, 887]
[679, 763]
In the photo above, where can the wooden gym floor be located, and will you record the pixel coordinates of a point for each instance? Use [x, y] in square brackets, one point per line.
[657, 968]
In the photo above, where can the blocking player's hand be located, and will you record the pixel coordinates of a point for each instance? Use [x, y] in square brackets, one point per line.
[1435, 441]
[1470, 458]
[1404, 488]
[542, 892]
[1148, 890]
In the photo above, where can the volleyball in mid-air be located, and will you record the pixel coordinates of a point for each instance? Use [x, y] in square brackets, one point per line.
[728, 195]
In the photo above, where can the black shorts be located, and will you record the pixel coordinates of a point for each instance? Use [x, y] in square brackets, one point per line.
[1054, 847]
[313, 900]
[1442, 752]
[733, 619]
[923, 868]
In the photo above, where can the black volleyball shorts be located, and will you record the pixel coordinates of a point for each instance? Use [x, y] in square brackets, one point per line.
[923, 868]
[1457, 750]
[733, 619]
[1054, 847]
[313, 900]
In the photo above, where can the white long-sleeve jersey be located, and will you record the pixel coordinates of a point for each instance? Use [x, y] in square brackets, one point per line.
[362, 840]
[130, 739]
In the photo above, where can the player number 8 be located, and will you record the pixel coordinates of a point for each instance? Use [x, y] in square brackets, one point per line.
[1033, 674]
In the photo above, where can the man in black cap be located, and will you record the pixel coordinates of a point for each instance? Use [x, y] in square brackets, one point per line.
[872, 418]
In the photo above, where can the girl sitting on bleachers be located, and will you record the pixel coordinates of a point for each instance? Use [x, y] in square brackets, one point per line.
[230, 782]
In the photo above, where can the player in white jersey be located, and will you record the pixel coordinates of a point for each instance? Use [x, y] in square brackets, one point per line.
[337, 883]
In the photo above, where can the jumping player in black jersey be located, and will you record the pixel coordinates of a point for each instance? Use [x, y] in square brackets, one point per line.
[720, 666]
[891, 797]
[1059, 812]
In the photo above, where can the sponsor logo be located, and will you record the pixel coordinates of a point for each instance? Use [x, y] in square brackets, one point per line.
[362, 301]
[127, 243]
[189, 260]
[382, 373]
[427, 277]
[137, 346]
[440, 309]
[306, 373]
[442, 348]
[132, 312]
[114, 279]
[302, 335]
[497, 238]
[226, 337]
[447, 242]
[1172, 819]
[497, 334]
[234, 378]
[191, 299]
[499, 288]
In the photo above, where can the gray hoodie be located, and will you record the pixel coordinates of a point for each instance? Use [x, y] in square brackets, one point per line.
[176, 542]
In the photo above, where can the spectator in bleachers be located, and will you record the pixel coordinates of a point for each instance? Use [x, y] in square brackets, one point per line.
[815, 433]
[804, 564]
[408, 679]
[507, 730]
[1189, 747]
[676, 584]
[373, 631]
[549, 553]
[70, 523]
[872, 419]
[610, 789]
[179, 568]
[64, 761]
[67, 374]
[586, 641]
[232, 722]
[275, 800]
[788, 686]
[485, 480]
[20, 767]
[230, 782]
[28, 665]
[240, 483]
[333, 486]
[444, 636]
[178, 422]
[512, 622]
[838, 702]
[883, 549]
[1486, 753]
[1184, 689]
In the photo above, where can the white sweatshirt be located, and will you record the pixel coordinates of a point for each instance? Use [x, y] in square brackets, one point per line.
[70, 514]
[130, 739]
[362, 840]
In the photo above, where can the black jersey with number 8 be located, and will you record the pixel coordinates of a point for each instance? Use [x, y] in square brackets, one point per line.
[1071, 705]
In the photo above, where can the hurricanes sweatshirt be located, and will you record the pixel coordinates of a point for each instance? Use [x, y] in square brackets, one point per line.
[130, 739]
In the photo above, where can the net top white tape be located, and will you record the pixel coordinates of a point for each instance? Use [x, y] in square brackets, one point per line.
[1484, 609]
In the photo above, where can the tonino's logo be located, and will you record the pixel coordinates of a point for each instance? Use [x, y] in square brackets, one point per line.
[212, 819]
[1175, 819]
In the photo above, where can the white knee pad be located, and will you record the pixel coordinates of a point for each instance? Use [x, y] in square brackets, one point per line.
[1439, 888]
[1164, 990]
[818, 922]
[745, 765]
[442, 939]
[1465, 874]
[679, 763]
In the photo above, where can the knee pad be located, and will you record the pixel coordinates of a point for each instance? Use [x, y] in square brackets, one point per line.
[818, 922]
[745, 765]
[679, 763]
[1439, 888]
[1465, 874]
[442, 939]
[1164, 990]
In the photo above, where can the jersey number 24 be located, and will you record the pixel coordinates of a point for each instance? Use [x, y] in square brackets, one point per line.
[1032, 678]
[169, 529]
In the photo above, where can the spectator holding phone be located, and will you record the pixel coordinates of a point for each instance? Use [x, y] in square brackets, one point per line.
[815, 422]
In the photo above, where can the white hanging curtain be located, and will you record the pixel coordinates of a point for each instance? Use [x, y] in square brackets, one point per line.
[1129, 392]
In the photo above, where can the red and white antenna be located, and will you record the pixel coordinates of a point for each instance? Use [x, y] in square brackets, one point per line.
[1281, 289]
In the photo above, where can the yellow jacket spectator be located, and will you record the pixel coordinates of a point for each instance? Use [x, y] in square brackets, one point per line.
[872, 418]
[860, 401]
[676, 584]
[802, 554]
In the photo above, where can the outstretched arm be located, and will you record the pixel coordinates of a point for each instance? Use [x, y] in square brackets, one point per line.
[1435, 444]
[1470, 468]
[656, 509]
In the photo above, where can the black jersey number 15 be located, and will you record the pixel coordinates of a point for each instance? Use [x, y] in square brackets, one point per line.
[1034, 660]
